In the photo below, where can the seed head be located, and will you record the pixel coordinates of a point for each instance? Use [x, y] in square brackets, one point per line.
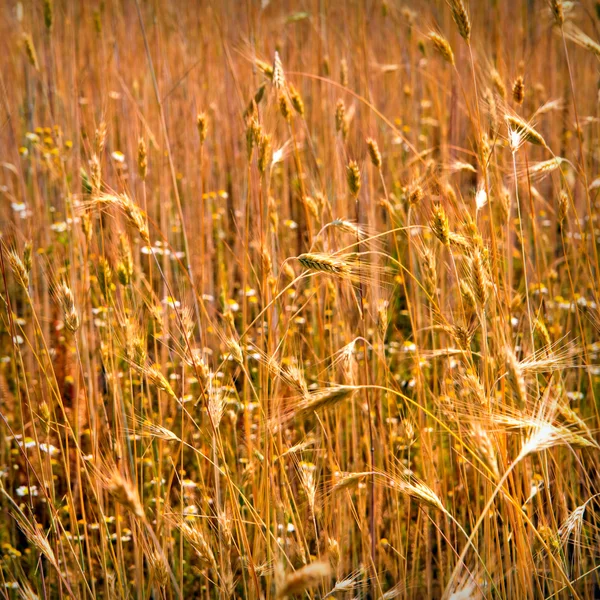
[415, 194]
[415, 489]
[156, 377]
[142, 159]
[462, 335]
[518, 90]
[45, 416]
[86, 226]
[442, 47]
[556, 8]
[19, 269]
[382, 319]
[284, 106]
[235, 351]
[158, 569]
[100, 138]
[134, 215]
[135, 344]
[563, 206]
[296, 99]
[519, 131]
[326, 263]
[251, 126]
[30, 51]
[66, 301]
[341, 123]
[374, 153]
[265, 153]
[48, 14]
[429, 268]
[98, 21]
[193, 534]
[265, 68]
[125, 264]
[278, 76]
[542, 332]
[440, 224]
[105, 277]
[479, 278]
[461, 18]
[260, 92]
[325, 398]
[96, 173]
[515, 376]
[348, 480]
[353, 177]
[27, 256]
[202, 124]
[124, 493]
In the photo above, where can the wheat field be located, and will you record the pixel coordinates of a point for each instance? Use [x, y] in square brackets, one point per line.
[299, 298]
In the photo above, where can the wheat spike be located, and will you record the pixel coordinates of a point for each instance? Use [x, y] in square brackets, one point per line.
[66, 301]
[30, 51]
[277, 70]
[440, 224]
[461, 18]
[325, 263]
[374, 153]
[353, 178]
[520, 131]
[442, 46]
[124, 493]
[518, 90]
[325, 398]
